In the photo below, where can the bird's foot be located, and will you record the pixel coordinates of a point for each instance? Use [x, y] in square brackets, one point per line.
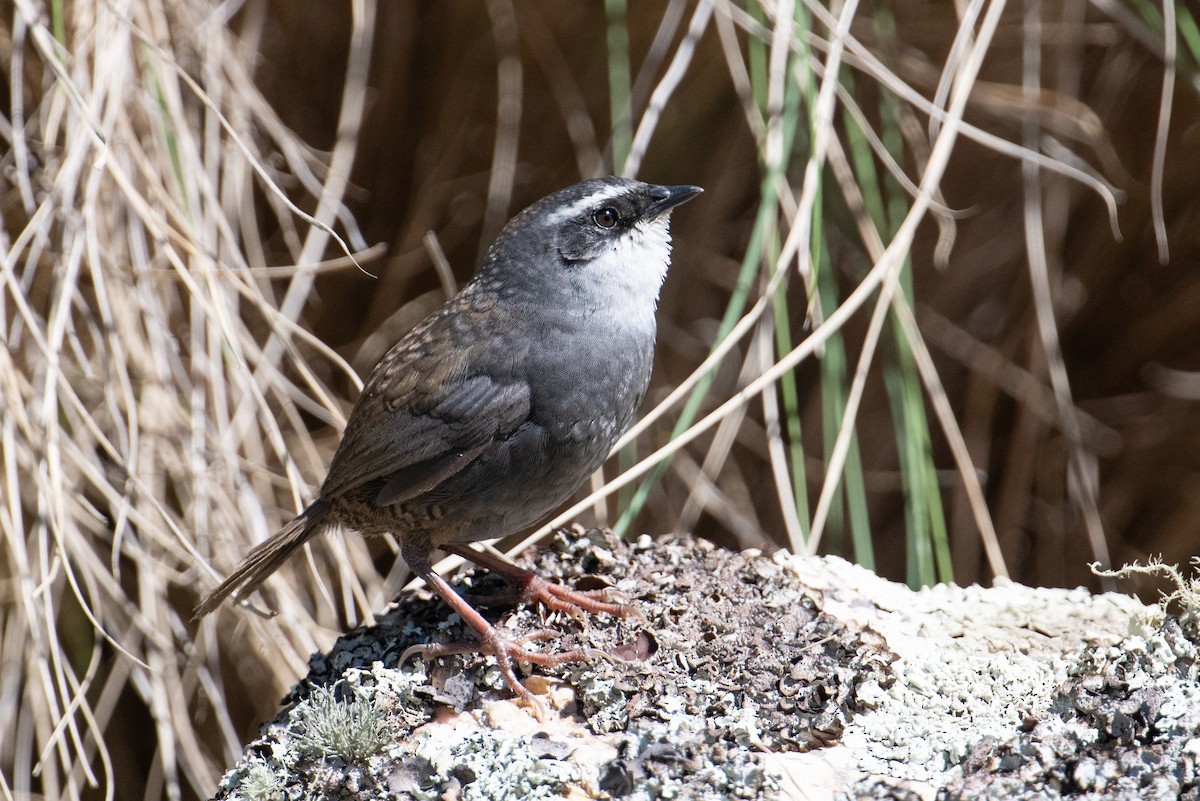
[491, 641]
[560, 598]
[506, 651]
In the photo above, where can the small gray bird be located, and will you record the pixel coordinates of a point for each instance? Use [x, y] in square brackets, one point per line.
[496, 408]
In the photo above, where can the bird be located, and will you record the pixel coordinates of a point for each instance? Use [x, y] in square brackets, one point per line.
[495, 409]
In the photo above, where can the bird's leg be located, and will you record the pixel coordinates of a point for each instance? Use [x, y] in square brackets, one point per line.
[491, 641]
[532, 587]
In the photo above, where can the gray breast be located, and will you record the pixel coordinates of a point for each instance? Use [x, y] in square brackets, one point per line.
[583, 399]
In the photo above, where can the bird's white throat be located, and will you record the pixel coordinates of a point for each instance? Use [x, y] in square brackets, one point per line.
[625, 280]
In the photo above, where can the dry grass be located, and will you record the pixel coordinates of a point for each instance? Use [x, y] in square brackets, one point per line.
[900, 323]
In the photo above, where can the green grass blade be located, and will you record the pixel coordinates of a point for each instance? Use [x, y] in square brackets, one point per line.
[619, 83]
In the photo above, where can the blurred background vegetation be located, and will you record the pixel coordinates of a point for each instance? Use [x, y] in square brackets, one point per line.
[955, 243]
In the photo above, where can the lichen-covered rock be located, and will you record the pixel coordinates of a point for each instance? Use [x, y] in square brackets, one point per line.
[749, 676]
[1125, 725]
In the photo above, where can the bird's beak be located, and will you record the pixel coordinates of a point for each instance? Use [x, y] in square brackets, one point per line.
[668, 197]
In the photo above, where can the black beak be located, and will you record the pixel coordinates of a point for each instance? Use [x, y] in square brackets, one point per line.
[668, 197]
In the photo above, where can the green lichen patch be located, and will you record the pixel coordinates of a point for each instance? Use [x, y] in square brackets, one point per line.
[333, 740]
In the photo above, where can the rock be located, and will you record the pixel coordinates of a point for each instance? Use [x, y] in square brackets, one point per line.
[752, 676]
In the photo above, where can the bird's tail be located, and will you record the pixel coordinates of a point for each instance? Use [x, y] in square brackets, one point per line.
[265, 558]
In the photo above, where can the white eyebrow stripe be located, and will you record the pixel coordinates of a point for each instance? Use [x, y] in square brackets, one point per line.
[585, 203]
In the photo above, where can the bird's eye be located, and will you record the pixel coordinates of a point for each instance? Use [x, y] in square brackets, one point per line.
[606, 217]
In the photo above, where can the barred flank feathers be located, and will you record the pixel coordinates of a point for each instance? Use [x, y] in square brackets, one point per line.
[266, 557]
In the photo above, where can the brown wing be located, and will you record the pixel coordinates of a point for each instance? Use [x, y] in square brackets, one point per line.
[433, 404]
